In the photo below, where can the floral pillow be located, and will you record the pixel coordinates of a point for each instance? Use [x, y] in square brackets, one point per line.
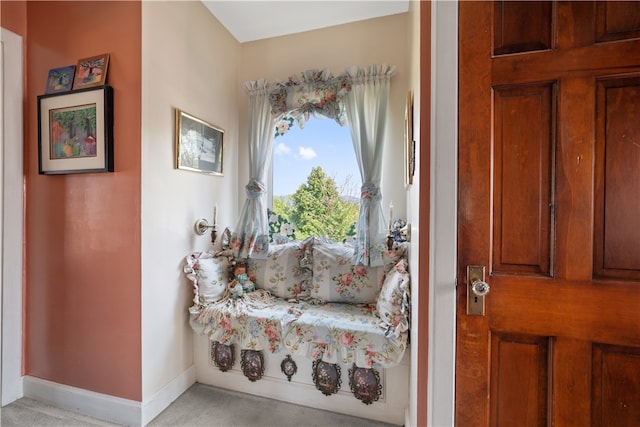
[280, 273]
[336, 279]
[393, 302]
[209, 275]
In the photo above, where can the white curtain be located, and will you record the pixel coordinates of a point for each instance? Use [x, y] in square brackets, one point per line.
[366, 108]
[251, 235]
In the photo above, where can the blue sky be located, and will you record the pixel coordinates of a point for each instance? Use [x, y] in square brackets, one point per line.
[323, 143]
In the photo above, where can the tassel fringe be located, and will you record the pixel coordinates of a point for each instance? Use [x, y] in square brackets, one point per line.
[228, 306]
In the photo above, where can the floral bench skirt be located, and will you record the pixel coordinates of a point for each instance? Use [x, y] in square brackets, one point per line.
[332, 332]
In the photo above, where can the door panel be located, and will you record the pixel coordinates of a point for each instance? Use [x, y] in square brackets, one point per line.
[549, 202]
[616, 247]
[519, 379]
[522, 178]
[616, 386]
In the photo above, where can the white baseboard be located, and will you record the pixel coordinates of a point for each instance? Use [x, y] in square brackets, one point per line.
[158, 403]
[106, 407]
[97, 405]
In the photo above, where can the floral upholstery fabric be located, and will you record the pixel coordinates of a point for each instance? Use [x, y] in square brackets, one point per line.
[280, 273]
[208, 275]
[342, 332]
[260, 329]
[392, 305]
[369, 335]
[335, 279]
[334, 333]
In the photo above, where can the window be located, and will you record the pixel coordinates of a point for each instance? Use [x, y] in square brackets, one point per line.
[316, 181]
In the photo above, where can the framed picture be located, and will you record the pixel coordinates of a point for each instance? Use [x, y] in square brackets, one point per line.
[199, 145]
[223, 356]
[326, 376]
[409, 143]
[75, 131]
[252, 363]
[365, 384]
[91, 71]
[60, 79]
[288, 367]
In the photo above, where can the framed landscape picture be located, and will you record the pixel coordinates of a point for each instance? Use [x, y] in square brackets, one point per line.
[199, 145]
[91, 72]
[75, 131]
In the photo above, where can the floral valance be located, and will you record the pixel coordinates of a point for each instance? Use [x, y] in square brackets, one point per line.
[311, 93]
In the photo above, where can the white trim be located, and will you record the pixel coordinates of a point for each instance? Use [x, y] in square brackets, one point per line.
[11, 218]
[105, 407]
[443, 227]
[161, 400]
[97, 405]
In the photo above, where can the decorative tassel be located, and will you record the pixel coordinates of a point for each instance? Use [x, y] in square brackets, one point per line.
[229, 306]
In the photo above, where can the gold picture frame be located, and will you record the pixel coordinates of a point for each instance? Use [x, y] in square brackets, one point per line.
[409, 143]
[91, 71]
[199, 145]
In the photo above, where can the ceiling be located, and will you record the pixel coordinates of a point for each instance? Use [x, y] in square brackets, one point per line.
[255, 20]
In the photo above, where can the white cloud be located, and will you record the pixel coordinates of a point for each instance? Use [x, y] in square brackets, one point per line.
[282, 148]
[307, 153]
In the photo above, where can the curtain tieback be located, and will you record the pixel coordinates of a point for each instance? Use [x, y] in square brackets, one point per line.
[370, 192]
[255, 189]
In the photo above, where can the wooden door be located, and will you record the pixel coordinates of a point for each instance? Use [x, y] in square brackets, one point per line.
[549, 203]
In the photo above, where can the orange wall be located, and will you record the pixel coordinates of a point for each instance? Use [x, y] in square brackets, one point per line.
[13, 16]
[83, 244]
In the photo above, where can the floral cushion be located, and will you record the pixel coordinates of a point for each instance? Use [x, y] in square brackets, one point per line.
[393, 302]
[334, 333]
[280, 273]
[209, 276]
[335, 279]
[342, 332]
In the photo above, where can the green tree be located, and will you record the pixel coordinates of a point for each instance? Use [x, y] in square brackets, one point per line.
[318, 210]
[282, 206]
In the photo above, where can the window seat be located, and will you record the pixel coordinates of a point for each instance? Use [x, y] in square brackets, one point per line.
[324, 309]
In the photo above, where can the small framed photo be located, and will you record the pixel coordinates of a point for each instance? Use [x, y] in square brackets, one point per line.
[409, 143]
[75, 131]
[91, 72]
[60, 79]
[199, 145]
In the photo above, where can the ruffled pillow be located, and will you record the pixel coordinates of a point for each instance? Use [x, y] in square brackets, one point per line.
[336, 279]
[209, 275]
[281, 273]
[393, 302]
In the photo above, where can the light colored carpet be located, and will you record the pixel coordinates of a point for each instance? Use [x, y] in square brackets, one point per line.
[200, 405]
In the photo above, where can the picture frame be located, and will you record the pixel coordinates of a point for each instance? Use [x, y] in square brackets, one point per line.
[288, 367]
[326, 376]
[199, 145]
[60, 79]
[222, 356]
[252, 364]
[365, 384]
[75, 131]
[409, 143]
[91, 71]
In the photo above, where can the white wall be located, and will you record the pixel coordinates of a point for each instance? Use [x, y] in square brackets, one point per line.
[11, 215]
[372, 41]
[190, 62]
